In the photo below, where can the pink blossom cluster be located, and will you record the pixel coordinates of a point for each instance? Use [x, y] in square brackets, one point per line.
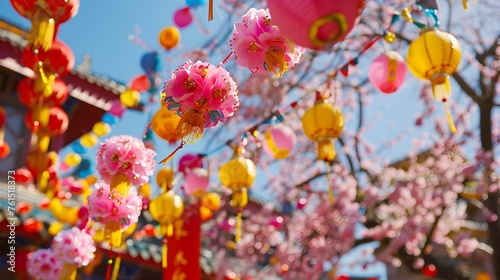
[107, 205]
[202, 87]
[74, 246]
[44, 265]
[255, 37]
[127, 156]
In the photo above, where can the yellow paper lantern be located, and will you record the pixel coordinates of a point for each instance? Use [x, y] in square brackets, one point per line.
[483, 276]
[130, 98]
[211, 201]
[98, 235]
[165, 178]
[101, 129]
[89, 140]
[238, 175]
[434, 56]
[144, 191]
[54, 228]
[72, 159]
[63, 213]
[165, 209]
[322, 123]
[164, 123]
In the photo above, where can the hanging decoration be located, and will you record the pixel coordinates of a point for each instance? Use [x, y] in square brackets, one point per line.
[45, 17]
[190, 161]
[164, 124]
[315, 24]
[323, 123]
[169, 37]
[259, 45]
[183, 17]
[4, 146]
[75, 248]
[238, 175]
[434, 56]
[29, 94]
[387, 72]
[196, 182]
[279, 141]
[202, 94]
[44, 265]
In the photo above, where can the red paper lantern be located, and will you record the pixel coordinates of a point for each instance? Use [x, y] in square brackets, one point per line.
[59, 59]
[57, 124]
[31, 225]
[140, 83]
[3, 117]
[23, 207]
[4, 149]
[45, 16]
[23, 176]
[429, 270]
[29, 95]
[315, 24]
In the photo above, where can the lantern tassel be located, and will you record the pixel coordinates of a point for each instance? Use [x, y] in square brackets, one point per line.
[116, 268]
[68, 272]
[190, 127]
[164, 252]
[110, 262]
[237, 235]
[464, 3]
[275, 61]
[172, 154]
[113, 234]
[210, 10]
[121, 184]
[330, 190]
[42, 30]
[450, 119]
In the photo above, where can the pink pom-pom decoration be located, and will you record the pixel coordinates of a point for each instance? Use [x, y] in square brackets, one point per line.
[107, 205]
[260, 46]
[202, 94]
[74, 246]
[44, 265]
[196, 181]
[387, 72]
[125, 155]
[315, 24]
[279, 141]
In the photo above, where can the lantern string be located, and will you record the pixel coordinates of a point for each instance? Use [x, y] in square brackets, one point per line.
[330, 190]
[110, 262]
[237, 234]
[210, 10]
[116, 268]
[169, 157]
[450, 119]
[164, 252]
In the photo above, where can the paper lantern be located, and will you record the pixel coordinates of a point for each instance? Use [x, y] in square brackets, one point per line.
[30, 95]
[59, 59]
[31, 225]
[483, 276]
[45, 16]
[190, 161]
[88, 140]
[165, 209]
[195, 3]
[429, 270]
[151, 63]
[169, 37]
[434, 56]
[387, 72]
[279, 141]
[183, 17]
[72, 159]
[164, 124]
[23, 208]
[203, 95]
[322, 123]
[23, 176]
[130, 98]
[140, 83]
[57, 121]
[259, 45]
[3, 117]
[4, 149]
[165, 178]
[238, 175]
[101, 129]
[116, 110]
[196, 182]
[315, 24]
[211, 201]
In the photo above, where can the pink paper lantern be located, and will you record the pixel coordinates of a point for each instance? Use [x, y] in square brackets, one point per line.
[315, 24]
[183, 17]
[189, 161]
[387, 72]
[196, 180]
[279, 141]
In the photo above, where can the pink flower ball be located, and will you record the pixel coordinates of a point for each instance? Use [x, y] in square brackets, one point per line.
[189, 161]
[128, 156]
[74, 246]
[196, 180]
[44, 265]
[110, 206]
[279, 141]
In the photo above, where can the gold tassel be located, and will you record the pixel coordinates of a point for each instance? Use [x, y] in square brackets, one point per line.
[464, 3]
[113, 234]
[164, 252]
[210, 10]
[330, 190]
[121, 184]
[116, 267]
[68, 272]
[275, 61]
[172, 154]
[190, 127]
[42, 30]
[450, 119]
[237, 234]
